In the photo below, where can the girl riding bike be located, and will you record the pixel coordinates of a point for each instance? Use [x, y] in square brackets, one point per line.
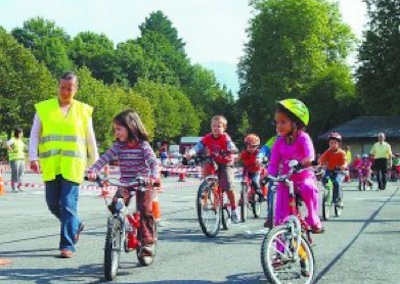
[136, 158]
[294, 143]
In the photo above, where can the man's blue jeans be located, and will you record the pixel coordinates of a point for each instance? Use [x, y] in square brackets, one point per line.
[62, 200]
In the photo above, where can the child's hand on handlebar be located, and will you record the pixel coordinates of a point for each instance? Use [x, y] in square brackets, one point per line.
[91, 175]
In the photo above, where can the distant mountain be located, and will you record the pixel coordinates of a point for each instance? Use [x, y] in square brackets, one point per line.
[225, 73]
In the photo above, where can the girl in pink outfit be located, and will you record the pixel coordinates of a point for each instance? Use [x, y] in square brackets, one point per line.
[294, 143]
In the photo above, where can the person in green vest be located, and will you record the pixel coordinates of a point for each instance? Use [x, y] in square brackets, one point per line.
[16, 155]
[62, 143]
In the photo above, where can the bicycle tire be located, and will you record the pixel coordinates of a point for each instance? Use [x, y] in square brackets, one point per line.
[205, 194]
[112, 248]
[226, 218]
[271, 208]
[256, 207]
[148, 260]
[327, 204]
[271, 273]
[244, 198]
[338, 210]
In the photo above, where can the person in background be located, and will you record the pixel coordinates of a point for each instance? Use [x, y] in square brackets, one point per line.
[354, 166]
[252, 162]
[63, 133]
[348, 160]
[396, 167]
[334, 159]
[16, 155]
[382, 153]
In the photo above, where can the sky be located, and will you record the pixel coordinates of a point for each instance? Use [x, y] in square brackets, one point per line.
[214, 30]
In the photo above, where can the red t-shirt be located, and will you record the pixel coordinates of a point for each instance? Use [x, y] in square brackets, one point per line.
[249, 161]
[216, 145]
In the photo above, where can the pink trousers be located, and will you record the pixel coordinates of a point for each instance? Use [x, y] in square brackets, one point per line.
[305, 184]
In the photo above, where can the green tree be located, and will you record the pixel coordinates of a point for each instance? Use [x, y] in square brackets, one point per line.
[96, 51]
[23, 82]
[379, 63]
[290, 44]
[159, 23]
[47, 42]
[131, 58]
[166, 101]
[160, 40]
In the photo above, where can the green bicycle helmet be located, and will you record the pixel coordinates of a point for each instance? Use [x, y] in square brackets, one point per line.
[297, 108]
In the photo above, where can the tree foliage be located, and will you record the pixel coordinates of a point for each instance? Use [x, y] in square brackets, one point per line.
[379, 68]
[47, 42]
[23, 83]
[291, 43]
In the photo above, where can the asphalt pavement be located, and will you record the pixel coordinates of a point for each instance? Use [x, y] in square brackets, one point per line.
[359, 247]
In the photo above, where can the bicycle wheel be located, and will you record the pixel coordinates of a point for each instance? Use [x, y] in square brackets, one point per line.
[147, 260]
[226, 218]
[271, 208]
[112, 248]
[256, 206]
[283, 261]
[338, 209]
[327, 204]
[208, 211]
[244, 201]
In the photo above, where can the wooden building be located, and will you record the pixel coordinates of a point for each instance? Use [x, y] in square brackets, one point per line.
[361, 133]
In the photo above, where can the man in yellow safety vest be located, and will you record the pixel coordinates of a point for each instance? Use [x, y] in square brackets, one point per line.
[62, 130]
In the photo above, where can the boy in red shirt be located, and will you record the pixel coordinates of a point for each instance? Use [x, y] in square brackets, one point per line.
[251, 158]
[334, 159]
[214, 144]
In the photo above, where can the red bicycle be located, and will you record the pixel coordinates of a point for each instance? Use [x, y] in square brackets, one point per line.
[250, 199]
[213, 208]
[123, 226]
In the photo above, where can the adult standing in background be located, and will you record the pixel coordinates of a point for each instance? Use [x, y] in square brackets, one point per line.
[16, 155]
[348, 160]
[62, 130]
[382, 153]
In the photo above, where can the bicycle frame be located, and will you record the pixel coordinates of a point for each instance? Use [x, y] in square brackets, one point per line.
[295, 221]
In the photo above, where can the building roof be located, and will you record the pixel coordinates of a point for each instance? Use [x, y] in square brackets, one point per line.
[367, 127]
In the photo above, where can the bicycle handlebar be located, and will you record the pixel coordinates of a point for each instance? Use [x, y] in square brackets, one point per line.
[135, 184]
[294, 167]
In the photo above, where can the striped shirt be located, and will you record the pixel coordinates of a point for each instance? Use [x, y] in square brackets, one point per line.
[138, 160]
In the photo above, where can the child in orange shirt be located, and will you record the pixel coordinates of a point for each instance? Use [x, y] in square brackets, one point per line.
[334, 159]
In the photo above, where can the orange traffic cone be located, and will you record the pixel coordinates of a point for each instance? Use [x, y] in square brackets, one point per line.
[2, 192]
[156, 207]
[4, 261]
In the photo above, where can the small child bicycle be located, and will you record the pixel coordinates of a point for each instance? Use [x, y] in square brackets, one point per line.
[123, 226]
[213, 209]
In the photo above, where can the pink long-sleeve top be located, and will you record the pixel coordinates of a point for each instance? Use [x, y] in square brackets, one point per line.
[283, 153]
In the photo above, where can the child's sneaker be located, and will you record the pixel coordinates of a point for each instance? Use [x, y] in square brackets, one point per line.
[235, 216]
[304, 268]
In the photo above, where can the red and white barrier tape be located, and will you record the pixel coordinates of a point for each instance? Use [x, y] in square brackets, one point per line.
[94, 187]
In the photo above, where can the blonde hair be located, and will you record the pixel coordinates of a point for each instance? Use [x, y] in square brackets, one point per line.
[220, 118]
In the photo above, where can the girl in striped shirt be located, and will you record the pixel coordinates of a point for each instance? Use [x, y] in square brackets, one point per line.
[136, 158]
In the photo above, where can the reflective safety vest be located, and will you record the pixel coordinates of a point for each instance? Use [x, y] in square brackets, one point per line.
[62, 144]
[17, 151]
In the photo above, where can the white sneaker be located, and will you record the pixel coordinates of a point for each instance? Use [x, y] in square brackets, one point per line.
[235, 216]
